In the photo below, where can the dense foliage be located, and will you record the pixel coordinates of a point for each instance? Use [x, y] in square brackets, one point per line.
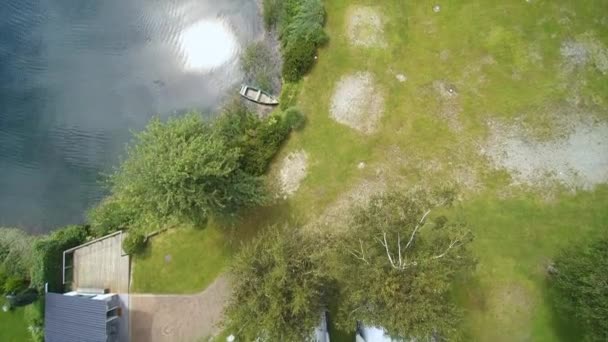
[397, 270]
[580, 287]
[256, 62]
[15, 260]
[279, 293]
[300, 24]
[188, 169]
[48, 256]
[34, 316]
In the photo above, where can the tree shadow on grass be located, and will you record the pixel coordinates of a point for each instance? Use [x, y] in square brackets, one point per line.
[566, 327]
[252, 221]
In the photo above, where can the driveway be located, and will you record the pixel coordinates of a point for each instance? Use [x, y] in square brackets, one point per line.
[178, 318]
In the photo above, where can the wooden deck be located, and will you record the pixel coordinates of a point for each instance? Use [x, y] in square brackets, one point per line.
[102, 265]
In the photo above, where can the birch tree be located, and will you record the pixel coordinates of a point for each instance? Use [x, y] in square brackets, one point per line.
[398, 264]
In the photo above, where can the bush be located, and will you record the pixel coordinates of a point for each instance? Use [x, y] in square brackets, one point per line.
[580, 287]
[298, 59]
[134, 242]
[48, 256]
[301, 35]
[14, 284]
[294, 119]
[272, 12]
[34, 317]
[258, 140]
[15, 259]
[301, 32]
[257, 65]
[109, 216]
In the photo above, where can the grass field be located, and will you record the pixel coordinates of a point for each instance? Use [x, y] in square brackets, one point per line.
[504, 60]
[13, 327]
[181, 261]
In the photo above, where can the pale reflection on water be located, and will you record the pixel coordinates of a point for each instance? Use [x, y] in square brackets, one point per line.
[78, 76]
[207, 44]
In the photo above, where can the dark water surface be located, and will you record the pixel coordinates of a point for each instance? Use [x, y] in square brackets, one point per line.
[77, 76]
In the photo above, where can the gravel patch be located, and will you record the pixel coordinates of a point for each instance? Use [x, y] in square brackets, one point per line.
[293, 171]
[357, 103]
[585, 49]
[365, 27]
[578, 159]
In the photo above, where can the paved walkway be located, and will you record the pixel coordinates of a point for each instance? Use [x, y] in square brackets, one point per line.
[178, 318]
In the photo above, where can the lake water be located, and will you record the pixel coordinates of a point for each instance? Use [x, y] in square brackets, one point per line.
[78, 76]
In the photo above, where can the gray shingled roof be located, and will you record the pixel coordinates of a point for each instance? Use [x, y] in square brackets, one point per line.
[74, 319]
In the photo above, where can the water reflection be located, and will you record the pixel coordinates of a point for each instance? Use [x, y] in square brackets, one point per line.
[207, 45]
[78, 76]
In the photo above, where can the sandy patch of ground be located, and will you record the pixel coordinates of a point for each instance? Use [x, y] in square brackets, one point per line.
[293, 171]
[357, 102]
[172, 318]
[585, 49]
[577, 159]
[365, 27]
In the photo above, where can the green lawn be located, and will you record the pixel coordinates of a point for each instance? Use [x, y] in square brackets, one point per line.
[183, 260]
[13, 327]
[504, 59]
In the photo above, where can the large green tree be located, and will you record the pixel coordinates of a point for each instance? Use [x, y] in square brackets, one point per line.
[397, 266]
[279, 291]
[580, 287]
[188, 168]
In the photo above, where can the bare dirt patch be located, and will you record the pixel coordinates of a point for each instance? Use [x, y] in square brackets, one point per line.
[585, 49]
[578, 158]
[365, 27]
[357, 102]
[293, 170]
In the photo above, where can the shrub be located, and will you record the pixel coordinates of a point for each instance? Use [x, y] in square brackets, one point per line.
[298, 59]
[301, 35]
[134, 242]
[15, 259]
[294, 119]
[34, 317]
[257, 66]
[272, 12]
[14, 284]
[111, 215]
[258, 140]
[48, 256]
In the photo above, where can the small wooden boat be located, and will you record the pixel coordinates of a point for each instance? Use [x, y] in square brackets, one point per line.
[258, 96]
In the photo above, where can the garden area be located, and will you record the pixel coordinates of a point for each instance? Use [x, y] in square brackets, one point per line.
[504, 101]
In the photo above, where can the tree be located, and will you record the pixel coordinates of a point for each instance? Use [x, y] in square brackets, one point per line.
[397, 266]
[185, 169]
[580, 287]
[279, 290]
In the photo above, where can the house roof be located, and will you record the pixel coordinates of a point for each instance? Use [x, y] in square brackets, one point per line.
[74, 319]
